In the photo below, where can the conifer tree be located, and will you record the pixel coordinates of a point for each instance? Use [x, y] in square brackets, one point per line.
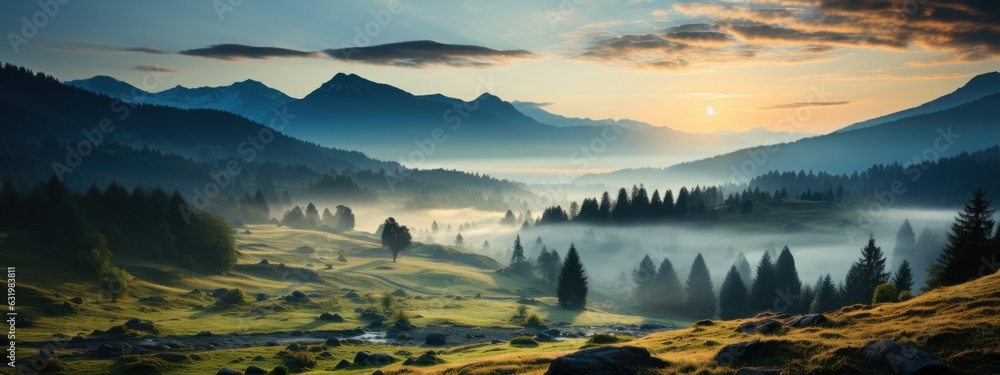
[763, 291]
[572, 287]
[789, 286]
[866, 274]
[969, 245]
[733, 297]
[644, 278]
[669, 291]
[700, 292]
[903, 279]
[826, 296]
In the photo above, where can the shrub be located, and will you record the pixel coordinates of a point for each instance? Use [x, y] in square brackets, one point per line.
[388, 303]
[905, 296]
[522, 313]
[523, 341]
[304, 359]
[533, 320]
[885, 293]
[234, 296]
[607, 338]
[279, 370]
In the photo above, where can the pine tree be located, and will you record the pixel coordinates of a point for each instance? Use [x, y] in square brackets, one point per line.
[762, 293]
[644, 278]
[518, 262]
[969, 245]
[554, 265]
[789, 285]
[826, 296]
[866, 274]
[669, 291]
[733, 296]
[743, 266]
[604, 210]
[903, 280]
[700, 292]
[542, 264]
[906, 242]
[572, 286]
[808, 295]
[434, 226]
[459, 240]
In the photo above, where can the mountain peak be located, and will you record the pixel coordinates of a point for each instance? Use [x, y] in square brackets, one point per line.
[989, 80]
[487, 97]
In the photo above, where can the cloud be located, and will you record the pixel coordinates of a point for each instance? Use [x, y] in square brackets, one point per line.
[240, 51]
[659, 13]
[154, 68]
[155, 51]
[801, 105]
[803, 31]
[426, 53]
[533, 104]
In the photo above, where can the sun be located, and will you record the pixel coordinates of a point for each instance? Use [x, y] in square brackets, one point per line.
[710, 111]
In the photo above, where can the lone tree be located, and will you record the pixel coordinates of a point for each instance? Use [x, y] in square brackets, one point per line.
[733, 296]
[826, 296]
[970, 251]
[572, 286]
[700, 292]
[866, 274]
[395, 237]
[459, 241]
[519, 264]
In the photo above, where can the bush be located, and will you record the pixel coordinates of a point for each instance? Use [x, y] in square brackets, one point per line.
[279, 370]
[388, 303]
[523, 341]
[607, 338]
[905, 296]
[885, 293]
[522, 313]
[533, 320]
[234, 296]
[304, 359]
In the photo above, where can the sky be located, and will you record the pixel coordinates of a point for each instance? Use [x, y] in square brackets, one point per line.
[693, 66]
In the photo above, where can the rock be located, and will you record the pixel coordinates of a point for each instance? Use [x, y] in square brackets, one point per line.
[325, 354]
[435, 339]
[811, 320]
[76, 300]
[204, 333]
[758, 371]
[218, 293]
[254, 370]
[408, 361]
[651, 326]
[379, 359]
[495, 341]
[115, 349]
[704, 322]
[354, 341]
[542, 337]
[299, 295]
[333, 341]
[264, 261]
[260, 297]
[342, 364]
[891, 356]
[606, 361]
[358, 310]
[551, 332]
[228, 371]
[141, 325]
[377, 372]
[735, 355]
[764, 327]
[351, 295]
[360, 357]
[375, 324]
[296, 333]
[429, 358]
[331, 317]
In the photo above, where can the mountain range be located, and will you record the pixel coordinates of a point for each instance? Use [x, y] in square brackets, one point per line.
[351, 112]
[962, 121]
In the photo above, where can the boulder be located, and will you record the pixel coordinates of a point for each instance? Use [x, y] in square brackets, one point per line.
[76, 300]
[331, 317]
[811, 320]
[299, 294]
[172, 357]
[408, 361]
[351, 295]
[115, 349]
[891, 356]
[435, 339]
[540, 336]
[429, 358]
[260, 297]
[255, 370]
[764, 327]
[342, 364]
[606, 361]
[705, 322]
[218, 293]
[735, 355]
[228, 371]
[361, 356]
[141, 325]
[758, 371]
[333, 341]
[263, 261]
[204, 333]
[379, 359]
